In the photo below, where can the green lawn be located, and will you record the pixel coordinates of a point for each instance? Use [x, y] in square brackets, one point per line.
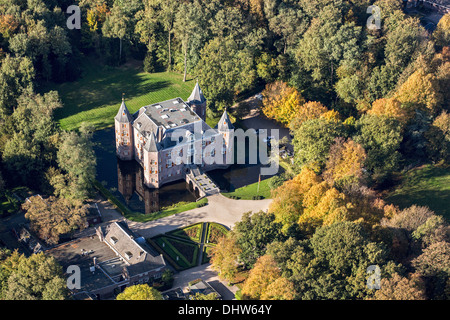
[426, 186]
[251, 190]
[97, 95]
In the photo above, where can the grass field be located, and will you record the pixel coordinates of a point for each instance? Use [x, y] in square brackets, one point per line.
[426, 186]
[97, 95]
[251, 190]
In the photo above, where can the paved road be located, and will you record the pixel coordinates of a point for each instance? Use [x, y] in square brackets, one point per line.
[219, 209]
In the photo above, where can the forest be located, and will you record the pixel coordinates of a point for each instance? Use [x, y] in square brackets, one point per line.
[363, 106]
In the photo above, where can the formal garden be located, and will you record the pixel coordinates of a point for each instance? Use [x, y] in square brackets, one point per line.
[190, 246]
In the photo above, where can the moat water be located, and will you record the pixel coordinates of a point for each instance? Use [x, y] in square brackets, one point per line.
[125, 179]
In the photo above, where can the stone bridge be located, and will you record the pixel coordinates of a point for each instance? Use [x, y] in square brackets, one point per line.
[199, 182]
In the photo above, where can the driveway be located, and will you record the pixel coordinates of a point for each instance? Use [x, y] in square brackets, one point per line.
[219, 209]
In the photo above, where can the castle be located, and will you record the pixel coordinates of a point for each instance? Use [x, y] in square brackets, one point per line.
[172, 141]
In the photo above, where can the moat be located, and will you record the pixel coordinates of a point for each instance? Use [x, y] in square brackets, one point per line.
[125, 179]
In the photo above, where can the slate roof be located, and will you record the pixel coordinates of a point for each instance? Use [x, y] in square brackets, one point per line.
[224, 122]
[123, 115]
[151, 144]
[139, 257]
[196, 96]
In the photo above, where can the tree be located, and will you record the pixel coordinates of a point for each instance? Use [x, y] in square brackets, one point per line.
[201, 296]
[225, 257]
[420, 90]
[442, 32]
[287, 204]
[380, 136]
[438, 137]
[309, 110]
[342, 252]
[401, 288]
[313, 139]
[253, 233]
[328, 43]
[225, 69]
[77, 159]
[345, 162]
[16, 75]
[434, 265]
[140, 292]
[52, 217]
[31, 130]
[115, 25]
[38, 277]
[281, 102]
[390, 107]
[265, 282]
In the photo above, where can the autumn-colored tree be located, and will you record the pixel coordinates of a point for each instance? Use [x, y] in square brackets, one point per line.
[225, 257]
[345, 162]
[281, 102]
[265, 281]
[420, 89]
[442, 32]
[8, 25]
[401, 288]
[96, 16]
[309, 110]
[287, 204]
[390, 107]
[438, 137]
[280, 289]
[140, 292]
[434, 265]
[52, 217]
[329, 206]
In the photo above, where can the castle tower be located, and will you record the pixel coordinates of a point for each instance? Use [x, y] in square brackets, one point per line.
[151, 165]
[226, 129]
[197, 101]
[124, 133]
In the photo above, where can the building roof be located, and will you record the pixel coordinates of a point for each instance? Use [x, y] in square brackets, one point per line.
[138, 256]
[171, 113]
[102, 263]
[224, 122]
[123, 115]
[196, 96]
[151, 145]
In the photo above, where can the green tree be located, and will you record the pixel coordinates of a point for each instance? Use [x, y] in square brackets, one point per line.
[140, 292]
[312, 141]
[16, 75]
[380, 136]
[77, 159]
[38, 277]
[253, 233]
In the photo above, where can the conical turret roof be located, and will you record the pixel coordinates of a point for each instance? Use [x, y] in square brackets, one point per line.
[196, 96]
[224, 122]
[151, 145]
[123, 115]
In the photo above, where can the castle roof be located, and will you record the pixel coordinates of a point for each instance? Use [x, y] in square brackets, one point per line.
[151, 145]
[196, 96]
[123, 115]
[224, 122]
